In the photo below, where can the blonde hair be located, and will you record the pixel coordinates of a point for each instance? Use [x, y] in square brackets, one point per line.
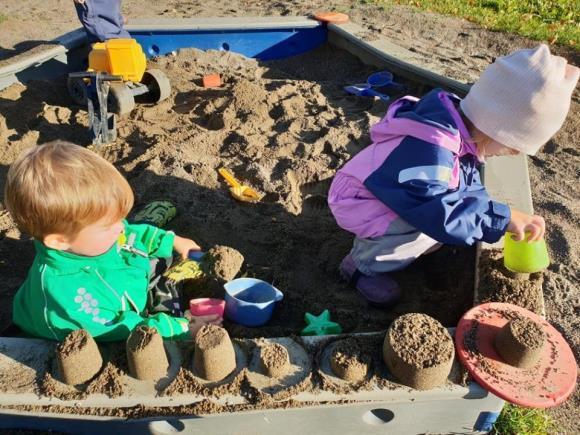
[60, 188]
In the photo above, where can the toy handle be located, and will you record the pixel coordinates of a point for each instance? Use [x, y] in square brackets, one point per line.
[229, 177]
[195, 255]
[374, 93]
[279, 295]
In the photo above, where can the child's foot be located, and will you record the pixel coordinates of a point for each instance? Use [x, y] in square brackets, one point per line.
[157, 213]
[380, 290]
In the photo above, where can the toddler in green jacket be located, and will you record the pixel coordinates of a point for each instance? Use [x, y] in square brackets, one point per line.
[85, 274]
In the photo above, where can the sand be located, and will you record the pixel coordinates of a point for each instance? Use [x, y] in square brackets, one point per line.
[214, 357]
[336, 379]
[168, 152]
[222, 262]
[274, 360]
[349, 361]
[146, 355]
[521, 342]
[497, 284]
[418, 351]
[78, 358]
[109, 382]
[456, 47]
[279, 368]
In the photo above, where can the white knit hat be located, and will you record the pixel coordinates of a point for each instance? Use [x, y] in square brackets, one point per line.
[522, 100]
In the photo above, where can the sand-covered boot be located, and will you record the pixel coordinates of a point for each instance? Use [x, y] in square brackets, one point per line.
[157, 213]
[379, 290]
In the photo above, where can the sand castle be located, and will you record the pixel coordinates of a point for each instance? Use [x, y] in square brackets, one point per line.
[418, 351]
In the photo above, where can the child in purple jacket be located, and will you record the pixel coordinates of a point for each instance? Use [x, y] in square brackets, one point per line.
[101, 19]
[417, 186]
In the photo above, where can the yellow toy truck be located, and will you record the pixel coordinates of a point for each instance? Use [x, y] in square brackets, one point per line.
[124, 59]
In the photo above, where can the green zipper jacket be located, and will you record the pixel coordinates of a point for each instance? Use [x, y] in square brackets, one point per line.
[106, 294]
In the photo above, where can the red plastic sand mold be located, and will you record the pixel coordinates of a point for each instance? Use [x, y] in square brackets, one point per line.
[548, 383]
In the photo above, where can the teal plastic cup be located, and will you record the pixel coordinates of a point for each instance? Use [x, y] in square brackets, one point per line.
[523, 256]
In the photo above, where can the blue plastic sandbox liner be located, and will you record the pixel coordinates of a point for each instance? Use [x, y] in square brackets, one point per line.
[262, 44]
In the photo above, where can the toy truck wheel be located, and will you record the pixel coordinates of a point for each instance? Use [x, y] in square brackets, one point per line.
[120, 99]
[158, 85]
[77, 89]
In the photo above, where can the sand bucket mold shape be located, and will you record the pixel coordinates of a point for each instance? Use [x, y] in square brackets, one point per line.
[250, 301]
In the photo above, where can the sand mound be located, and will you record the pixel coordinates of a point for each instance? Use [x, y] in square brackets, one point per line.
[214, 357]
[78, 358]
[278, 367]
[349, 361]
[222, 262]
[146, 355]
[275, 360]
[521, 342]
[418, 351]
[497, 284]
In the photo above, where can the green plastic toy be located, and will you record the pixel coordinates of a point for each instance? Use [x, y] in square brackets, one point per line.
[524, 256]
[320, 325]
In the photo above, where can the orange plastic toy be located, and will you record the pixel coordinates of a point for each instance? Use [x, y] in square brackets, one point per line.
[212, 81]
[331, 17]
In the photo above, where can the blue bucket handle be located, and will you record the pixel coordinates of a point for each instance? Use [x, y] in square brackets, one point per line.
[279, 295]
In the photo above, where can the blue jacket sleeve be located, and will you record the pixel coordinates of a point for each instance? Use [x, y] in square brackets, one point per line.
[414, 182]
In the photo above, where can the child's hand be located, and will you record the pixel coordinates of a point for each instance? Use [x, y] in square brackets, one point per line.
[521, 223]
[182, 246]
[195, 323]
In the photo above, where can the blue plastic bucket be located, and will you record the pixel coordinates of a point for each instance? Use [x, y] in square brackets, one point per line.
[250, 301]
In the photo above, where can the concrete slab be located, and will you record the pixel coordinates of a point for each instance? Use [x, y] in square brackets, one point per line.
[384, 54]
[360, 418]
[507, 180]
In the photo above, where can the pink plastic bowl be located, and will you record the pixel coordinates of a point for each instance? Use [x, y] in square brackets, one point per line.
[207, 306]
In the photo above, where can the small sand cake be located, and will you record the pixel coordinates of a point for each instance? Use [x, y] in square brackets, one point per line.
[418, 351]
[274, 360]
[146, 354]
[520, 342]
[78, 358]
[348, 360]
[214, 357]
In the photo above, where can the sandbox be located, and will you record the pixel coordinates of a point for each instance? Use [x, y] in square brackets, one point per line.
[284, 125]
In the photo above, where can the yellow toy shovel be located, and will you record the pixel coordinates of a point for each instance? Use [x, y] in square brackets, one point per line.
[239, 191]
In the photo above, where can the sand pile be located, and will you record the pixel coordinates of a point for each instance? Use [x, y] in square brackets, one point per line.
[278, 367]
[206, 278]
[146, 354]
[418, 351]
[214, 357]
[274, 360]
[497, 284]
[78, 358]
[222, 262]
[521, 342]
[349, 361]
